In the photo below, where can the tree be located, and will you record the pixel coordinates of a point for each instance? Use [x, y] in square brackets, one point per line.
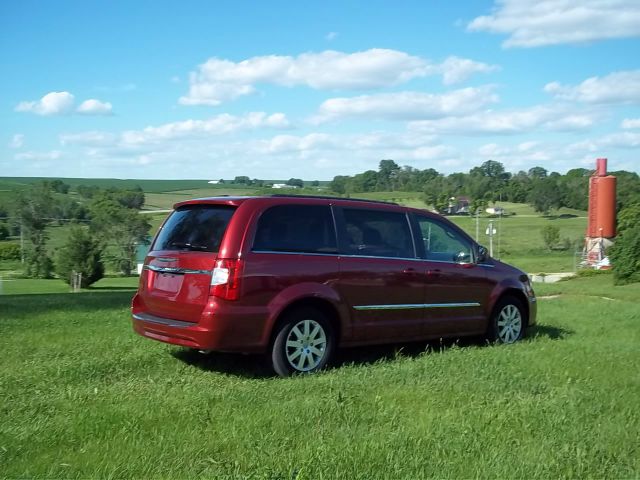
[339, 184]
[242, 179]
[550, 236]
[625, 253]
[33, 209]
[544, 195]
[388, 172]
[537, 172]
[122, 227]
[315, 183]
[80, 254]
[295, 182]
[625, 256]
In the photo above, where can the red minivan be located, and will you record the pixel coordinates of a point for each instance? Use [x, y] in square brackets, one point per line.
[296, 277]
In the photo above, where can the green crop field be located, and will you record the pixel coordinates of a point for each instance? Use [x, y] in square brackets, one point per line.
[81, 396]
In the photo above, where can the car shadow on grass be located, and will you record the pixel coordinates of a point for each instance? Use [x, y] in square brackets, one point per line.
[257, 366]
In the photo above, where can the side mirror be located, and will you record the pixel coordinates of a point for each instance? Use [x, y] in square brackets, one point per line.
[483, 254]
[462, 257]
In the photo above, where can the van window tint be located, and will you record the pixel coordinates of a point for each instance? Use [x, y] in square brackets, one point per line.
[443, 243]
[194, 227]
[378, 233]
[296, 228]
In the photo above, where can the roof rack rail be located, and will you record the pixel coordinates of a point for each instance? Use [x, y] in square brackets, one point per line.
[329, 197]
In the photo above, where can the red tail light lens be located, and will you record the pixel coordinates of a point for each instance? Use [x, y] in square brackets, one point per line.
[225, 279]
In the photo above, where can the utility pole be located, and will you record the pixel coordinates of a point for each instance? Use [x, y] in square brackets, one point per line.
[477, 224]
[491, 232]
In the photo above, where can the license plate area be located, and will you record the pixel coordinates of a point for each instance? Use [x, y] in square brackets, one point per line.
[168, 283]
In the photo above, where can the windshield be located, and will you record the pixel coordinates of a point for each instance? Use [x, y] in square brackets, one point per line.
[194, 227]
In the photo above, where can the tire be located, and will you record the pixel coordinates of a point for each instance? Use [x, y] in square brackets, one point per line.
[304, 343]
[508, 321]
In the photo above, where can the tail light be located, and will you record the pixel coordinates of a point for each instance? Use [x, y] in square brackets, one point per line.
[225, 279]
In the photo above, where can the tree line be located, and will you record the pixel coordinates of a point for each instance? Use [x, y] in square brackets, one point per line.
[489, 182]
[107, 228]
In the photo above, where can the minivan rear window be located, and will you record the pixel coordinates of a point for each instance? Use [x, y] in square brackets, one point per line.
[194, 227]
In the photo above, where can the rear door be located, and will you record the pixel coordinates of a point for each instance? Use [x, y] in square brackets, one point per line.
[379, 275]
[176, 276]
[456, 287]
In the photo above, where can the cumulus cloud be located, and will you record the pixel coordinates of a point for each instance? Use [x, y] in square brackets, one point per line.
[617, 87]
[91, 138]
[622, 140]
[407, 105]
[152, 136]
[629, 123]
[218, 125]
[457, 70]
[94, 107]
[17, 141]
[218, 80]
[551, 22]
[60, 103]
[505, 122]
[53, 103]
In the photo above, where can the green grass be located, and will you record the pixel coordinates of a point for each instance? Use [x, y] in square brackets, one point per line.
[22, 286]
[81, 396]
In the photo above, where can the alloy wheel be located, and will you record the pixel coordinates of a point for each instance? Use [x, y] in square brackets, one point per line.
[306, 345]
[509, 324]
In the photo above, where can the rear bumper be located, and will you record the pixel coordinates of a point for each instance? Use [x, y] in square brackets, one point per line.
[237, 330]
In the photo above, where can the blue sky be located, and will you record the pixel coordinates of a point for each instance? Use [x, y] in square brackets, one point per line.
[313, 90]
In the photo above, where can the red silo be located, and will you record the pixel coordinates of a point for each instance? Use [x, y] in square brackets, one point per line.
[602, 202]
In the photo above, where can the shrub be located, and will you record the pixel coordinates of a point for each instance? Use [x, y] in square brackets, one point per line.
[625, 256]
[9, 251]
[4, 231]
[550, 236]
[81, 254]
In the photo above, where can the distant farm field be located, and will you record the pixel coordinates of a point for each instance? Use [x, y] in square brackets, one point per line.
[81, 396]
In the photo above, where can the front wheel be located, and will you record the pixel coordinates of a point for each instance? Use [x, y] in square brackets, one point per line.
[508, 321]
[304, 343]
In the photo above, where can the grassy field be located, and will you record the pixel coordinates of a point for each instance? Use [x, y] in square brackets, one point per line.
[82, 396]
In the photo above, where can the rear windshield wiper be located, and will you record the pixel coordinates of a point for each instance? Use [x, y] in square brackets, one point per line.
[189, 246]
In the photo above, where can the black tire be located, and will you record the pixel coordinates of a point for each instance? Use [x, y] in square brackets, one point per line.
[302, 334]
[508, 321]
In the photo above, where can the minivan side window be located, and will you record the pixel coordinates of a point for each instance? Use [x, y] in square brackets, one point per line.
[378, 233]
[296, 228]
[194, 227]
[442, 243]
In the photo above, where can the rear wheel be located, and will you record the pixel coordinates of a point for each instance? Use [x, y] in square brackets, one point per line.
[508, 321]
[304, 343]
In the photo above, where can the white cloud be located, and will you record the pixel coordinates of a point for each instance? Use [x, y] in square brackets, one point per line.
[31, 155]
[617, 87]
[407, 105]
[331, 36]
[622, 140]
[17, 141]
[53, 103]
[60, 103]
[218, 125]
[457, 70]
[553, 22]
[544, 117]
[91, 138]
[515, 157]
[94, 107]
[132, 141]
[630, 123]
[218, 80]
